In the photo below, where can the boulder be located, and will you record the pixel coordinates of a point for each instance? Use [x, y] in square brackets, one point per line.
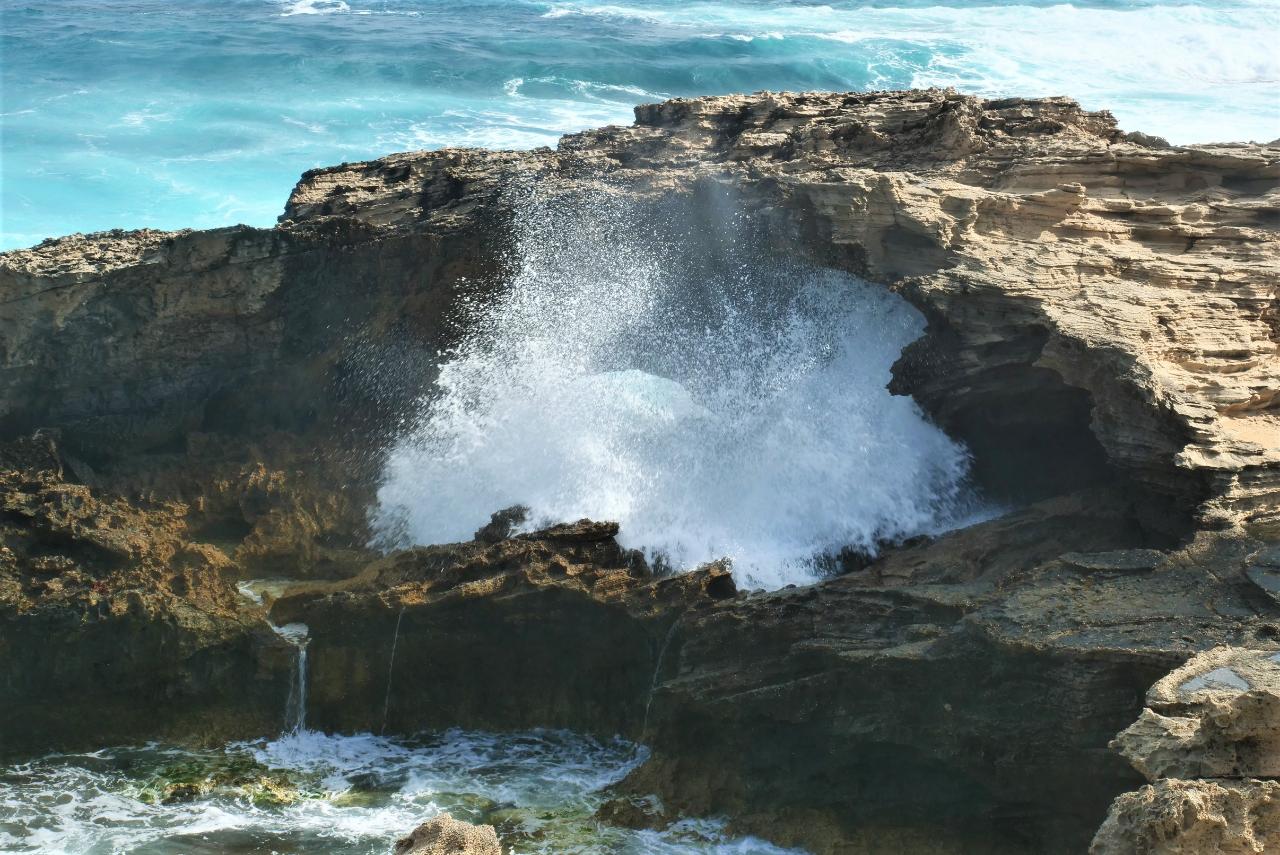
[1173, 817]
[1209, 733]
[1218, 716]
[444, 835]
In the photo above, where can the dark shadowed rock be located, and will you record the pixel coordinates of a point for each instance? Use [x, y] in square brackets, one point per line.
[502, 524]
[556, 628]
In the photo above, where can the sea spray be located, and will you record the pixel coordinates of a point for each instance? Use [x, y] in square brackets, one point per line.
[653, 364]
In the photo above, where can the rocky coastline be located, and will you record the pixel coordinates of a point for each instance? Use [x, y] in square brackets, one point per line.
[183, 411]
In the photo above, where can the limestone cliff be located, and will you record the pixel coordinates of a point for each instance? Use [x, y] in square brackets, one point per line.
[1096, 292]
[1103, 333]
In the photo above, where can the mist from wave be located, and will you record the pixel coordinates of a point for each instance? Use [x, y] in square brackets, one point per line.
[652, 364]
[129, 113]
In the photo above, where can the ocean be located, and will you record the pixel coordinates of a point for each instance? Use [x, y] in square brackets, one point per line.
[133, 113]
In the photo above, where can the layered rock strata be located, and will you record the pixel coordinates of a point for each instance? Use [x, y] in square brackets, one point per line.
[1093, 296]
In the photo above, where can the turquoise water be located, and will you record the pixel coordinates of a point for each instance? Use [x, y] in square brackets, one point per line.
[202, 113]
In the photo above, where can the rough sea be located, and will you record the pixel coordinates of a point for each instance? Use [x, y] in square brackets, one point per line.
[200, 113]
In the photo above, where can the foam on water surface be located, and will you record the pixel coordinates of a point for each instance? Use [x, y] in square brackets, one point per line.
[343, 795]
[130, 113]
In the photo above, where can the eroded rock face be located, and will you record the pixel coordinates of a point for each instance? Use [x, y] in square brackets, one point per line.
[1218, 716]
[116, 626]
[1213, 722]
[558, 628]
[1173, 817]
[444, 835]
[1087, 291]
[989, 686]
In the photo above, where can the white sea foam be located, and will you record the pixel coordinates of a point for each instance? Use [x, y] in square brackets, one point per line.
[729, 409]
[530, 123]
[597, 10]
[314, 7]
[360, 793]
[571, 88]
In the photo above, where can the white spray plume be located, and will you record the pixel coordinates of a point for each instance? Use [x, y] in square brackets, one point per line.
[657, 368]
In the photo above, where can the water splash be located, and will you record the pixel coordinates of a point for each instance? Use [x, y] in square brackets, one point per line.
[657, 673]
[295, 712]
[654, 365]
[260, 592]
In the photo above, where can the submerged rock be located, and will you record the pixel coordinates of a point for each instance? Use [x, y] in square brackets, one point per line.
[445, 835]
[233, 775]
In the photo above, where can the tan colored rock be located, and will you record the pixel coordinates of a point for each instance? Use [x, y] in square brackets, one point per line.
[1218, 716]
[445, 835]
[1173, 817]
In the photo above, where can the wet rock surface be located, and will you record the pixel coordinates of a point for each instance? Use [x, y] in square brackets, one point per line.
[557, 628]
[182, 411]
